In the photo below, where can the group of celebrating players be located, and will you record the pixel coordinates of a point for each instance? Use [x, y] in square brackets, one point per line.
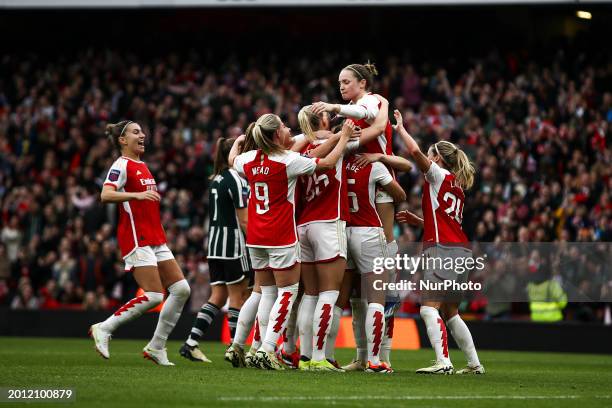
[309, 214]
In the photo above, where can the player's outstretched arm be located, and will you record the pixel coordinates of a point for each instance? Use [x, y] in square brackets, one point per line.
[351, 111]
[406, 217]
[111, 195]
[325, 148]
[421, 160]
[396, 162]
[332, 158]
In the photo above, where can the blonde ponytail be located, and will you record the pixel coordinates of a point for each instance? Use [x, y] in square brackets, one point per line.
[263, 133]
[464, 170]
[309, 122]
[458, 163]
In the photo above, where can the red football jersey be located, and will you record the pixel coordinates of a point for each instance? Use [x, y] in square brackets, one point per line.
[362, 182]
[323, 195]
[272, 180]
[139, 221]
[384, 142]
[442, 205]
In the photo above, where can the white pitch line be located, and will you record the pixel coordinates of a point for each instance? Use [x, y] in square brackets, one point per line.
[411, 397]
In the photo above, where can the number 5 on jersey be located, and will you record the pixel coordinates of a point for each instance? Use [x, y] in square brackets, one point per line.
[262, 205]
[354, 204]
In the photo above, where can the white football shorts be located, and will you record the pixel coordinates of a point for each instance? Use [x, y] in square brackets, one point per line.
[365, 244]
[274, 258]
[148, 256]
[322, 242]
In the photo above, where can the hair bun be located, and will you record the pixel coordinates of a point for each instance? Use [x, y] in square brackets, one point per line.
[108, 131]
[371, 67]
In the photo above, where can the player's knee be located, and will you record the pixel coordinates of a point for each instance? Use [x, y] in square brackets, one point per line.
[155, 298]
[180, 289]
[427, 311]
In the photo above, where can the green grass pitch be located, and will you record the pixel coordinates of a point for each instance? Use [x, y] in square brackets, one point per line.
[513, 379]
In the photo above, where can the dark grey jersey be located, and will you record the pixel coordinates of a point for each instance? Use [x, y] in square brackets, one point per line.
[227, 192]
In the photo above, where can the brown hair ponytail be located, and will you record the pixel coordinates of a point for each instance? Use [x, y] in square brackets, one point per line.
[115, 130]
[223, 149]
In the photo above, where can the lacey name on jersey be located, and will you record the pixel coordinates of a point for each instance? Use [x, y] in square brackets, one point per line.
[260, 170]
[455, 184]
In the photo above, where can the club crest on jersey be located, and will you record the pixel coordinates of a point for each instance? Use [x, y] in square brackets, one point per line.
[114, 175]
[260, 170]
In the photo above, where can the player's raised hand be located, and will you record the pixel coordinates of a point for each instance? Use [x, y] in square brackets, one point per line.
[320, 107]
[148, 195]
[399, 121]
[406, 217]
[367, 158]
[348, 128]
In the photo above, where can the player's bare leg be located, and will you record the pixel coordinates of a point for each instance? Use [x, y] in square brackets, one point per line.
[305, 314]
[329, 276]
[463, 338]
[178, 290]
[148, 279]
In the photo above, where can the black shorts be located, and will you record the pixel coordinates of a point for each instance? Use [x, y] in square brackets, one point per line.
[230, 271]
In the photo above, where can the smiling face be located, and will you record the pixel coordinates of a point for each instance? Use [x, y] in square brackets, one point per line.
[283, 135]
[351, 88]
[132, 140]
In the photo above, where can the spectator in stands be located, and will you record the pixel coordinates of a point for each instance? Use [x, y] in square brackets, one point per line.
[25, 298]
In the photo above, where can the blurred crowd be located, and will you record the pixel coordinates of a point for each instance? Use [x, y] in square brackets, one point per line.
[537, 131]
